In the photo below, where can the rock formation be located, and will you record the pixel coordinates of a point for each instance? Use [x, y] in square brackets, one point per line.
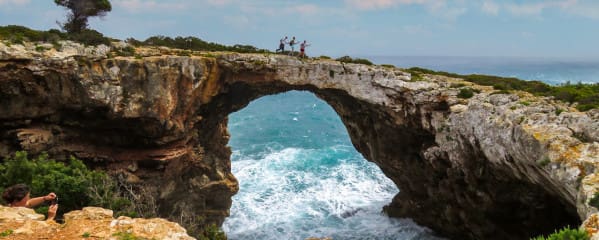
[91, 222]
[494, 166]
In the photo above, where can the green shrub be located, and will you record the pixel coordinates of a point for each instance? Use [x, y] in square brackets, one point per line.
[388, 65]
[19, 34]
[594, 201]
[127, 51]
[348, 59]
[194, 43]
[212, 232]
[75, 185]
[324, 57]
[89, 37]
[565, 234]
[6, 233]
[466, 93]
[546, 161]
[126, 236]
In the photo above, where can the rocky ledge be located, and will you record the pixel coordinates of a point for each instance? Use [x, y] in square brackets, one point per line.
[493, 166]
[91, 222]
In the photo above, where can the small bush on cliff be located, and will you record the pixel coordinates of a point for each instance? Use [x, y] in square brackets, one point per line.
[466, 93]
[348, 59]
[566, 234]
[594, 201]
[212, 232]
[75, 185]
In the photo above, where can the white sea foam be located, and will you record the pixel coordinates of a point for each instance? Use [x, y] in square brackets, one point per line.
[297, 193]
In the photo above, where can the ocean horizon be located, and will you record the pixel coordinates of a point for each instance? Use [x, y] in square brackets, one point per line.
[551, 70]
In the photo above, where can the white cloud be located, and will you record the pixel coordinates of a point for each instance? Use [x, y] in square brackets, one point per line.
[380, 4]
[536, 8]
[147, 5]
[15, 2]
[438, 8]
[490, 7]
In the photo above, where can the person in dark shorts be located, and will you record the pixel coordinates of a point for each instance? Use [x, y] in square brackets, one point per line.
[282, 43]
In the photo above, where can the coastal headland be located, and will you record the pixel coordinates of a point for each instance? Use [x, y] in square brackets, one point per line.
[490, 165]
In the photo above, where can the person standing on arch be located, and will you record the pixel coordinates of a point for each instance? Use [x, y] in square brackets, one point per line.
[303, 46]
[292, 44]
[282, 43]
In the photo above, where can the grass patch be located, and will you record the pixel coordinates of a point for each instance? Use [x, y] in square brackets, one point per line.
[501, 92]
[566, 233]
[586, 95]
[6, 233]
[388, 65]
[127, 236]
[457, 85]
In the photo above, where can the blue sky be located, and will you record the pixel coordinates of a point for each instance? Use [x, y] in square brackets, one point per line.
[531, 28]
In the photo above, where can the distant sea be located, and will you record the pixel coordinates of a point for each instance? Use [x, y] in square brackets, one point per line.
[549, 70]
[301, 177]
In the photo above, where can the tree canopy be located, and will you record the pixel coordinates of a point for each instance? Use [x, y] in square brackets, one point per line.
[81, 10]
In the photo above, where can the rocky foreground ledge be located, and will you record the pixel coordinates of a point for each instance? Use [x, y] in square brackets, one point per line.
[89, 223]
[493, 166]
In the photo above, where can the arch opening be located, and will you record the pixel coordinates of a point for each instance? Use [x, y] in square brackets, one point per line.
[300, 176]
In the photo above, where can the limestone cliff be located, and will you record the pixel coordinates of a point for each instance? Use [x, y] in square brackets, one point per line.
[495, 166]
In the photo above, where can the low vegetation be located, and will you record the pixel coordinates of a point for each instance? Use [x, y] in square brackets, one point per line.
[193, 43]
[348, 59]
[566, 234]
[594, 201]
[19, 34]
[586, 95]
[75, 185]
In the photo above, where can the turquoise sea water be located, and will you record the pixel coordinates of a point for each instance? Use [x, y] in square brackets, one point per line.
[300, 176]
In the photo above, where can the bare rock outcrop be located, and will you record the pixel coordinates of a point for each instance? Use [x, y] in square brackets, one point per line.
[494, 166]
[91, 222]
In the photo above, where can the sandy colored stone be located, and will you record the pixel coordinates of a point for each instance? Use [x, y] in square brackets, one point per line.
[91, 221]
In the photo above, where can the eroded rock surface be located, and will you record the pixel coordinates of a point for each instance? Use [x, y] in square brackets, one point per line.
[91, 222]
[495, 166]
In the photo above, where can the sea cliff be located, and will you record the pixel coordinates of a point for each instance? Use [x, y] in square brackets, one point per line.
[492, 166]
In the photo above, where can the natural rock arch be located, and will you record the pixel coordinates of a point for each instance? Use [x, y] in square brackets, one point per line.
[469, 169]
